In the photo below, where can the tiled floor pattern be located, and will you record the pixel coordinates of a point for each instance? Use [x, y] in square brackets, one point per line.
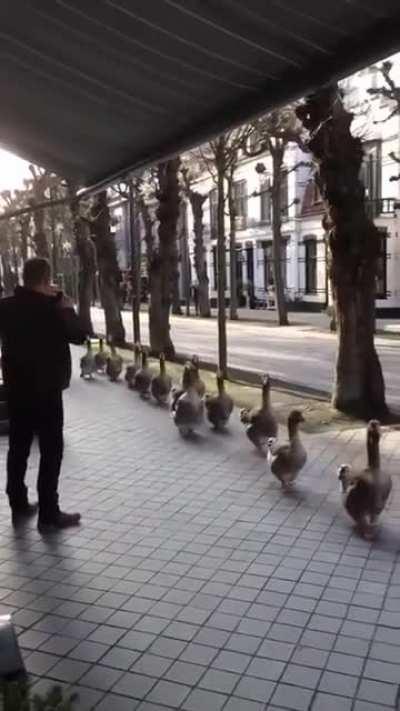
[194, 583]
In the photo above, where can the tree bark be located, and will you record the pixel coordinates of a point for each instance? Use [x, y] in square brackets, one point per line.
[87, 265]
[277, 168]
[165, 261]
[233, 300]
[353, 242]
[221, 260]
[108, 268]
[200, 264]
[24, 229]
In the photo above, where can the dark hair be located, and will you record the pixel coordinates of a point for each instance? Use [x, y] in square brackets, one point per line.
[36, 271]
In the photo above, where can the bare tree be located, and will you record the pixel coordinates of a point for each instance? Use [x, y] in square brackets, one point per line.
[39, 185]
[353, 242]
[390, 91]
[86, 252]
[108, 267]
[197, 200]
[273, 133]
[164, 260]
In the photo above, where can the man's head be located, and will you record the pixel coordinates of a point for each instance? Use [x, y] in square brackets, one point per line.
[37, 274]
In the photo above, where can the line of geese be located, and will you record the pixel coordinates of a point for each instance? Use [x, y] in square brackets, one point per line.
[364, 493]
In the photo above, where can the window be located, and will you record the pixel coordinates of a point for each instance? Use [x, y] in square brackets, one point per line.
[380, 278]
[213, 211]
[284, 196]
[240, 200]
[311, 265]
[269, 279]
[265, 201]
[371, 176]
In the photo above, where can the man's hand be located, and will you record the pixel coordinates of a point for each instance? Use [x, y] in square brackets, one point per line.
[65, 302]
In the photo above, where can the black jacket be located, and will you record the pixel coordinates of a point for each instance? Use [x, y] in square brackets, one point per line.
[35, 332]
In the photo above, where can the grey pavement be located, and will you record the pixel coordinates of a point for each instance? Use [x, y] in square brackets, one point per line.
[301, 354]
[194, 583]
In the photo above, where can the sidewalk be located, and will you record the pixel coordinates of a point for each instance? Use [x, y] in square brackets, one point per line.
[194, 583]
[317, 320]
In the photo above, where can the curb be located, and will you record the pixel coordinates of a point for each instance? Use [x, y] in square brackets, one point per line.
[251, 377]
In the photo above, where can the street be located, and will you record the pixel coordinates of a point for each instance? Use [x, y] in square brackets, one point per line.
[298, 354]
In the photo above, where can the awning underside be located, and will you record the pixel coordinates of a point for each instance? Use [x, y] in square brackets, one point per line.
[91, 88]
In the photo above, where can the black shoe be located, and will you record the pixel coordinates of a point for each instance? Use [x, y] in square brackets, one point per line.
[60, 521]
[22, 512]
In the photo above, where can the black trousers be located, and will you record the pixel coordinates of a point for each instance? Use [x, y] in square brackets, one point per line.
[29, 416]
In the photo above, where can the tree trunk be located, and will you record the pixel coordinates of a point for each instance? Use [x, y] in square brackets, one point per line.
[176, 297]
[200, 264]
[221, 262]
[135, 263]
[233, 300]
[39, 237]
[8, 276]
[24, 230]
[353, 242]
[108, 268]
[165, 262]
[87, 266]
[277, 167]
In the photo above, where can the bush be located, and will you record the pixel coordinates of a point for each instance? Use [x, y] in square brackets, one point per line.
[17, 696]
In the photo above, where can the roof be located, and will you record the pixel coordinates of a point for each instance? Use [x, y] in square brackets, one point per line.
[94, 88]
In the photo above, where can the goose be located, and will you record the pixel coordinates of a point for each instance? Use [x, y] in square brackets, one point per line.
[287, 460]
[88, 365]
[132, 368]
[161, 384]
[100, 358]
[114, 364]
[219, 406]
[261, 423]
[142, 380]
[365, 494]
[199, 383]
[188, 409]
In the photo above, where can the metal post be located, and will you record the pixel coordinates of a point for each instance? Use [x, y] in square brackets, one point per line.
[135, 264]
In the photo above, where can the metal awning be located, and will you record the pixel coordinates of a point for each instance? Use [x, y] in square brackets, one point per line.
[93, 88]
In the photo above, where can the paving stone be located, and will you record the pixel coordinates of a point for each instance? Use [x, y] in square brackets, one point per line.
[232, 661]
[69, 670]
[184, 672]
[200, 699]
[220, 681]
[255, 689]
[265, 668]
[120, 658]
[328, 702]
[339, 684]
[238, 704]
[113, 701]
[301, 676]
[168, 693]
[136, 686]
[292, 697]
[99, 677]
[378, 692]
[383, 671]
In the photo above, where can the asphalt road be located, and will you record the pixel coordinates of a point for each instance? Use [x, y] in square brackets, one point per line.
[300, 354]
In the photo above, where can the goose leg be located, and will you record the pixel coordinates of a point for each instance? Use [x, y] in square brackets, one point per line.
[254, 437]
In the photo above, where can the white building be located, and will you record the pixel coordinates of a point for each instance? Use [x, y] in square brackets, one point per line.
[304, 251]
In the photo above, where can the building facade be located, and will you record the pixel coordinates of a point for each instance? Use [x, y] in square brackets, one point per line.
[303, 257]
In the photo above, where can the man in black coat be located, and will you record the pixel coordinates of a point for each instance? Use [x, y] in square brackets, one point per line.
[36, 326]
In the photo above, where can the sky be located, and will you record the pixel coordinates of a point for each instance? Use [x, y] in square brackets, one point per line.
[13, 170]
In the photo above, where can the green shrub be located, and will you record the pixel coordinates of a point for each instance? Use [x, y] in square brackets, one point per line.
[17, 696]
